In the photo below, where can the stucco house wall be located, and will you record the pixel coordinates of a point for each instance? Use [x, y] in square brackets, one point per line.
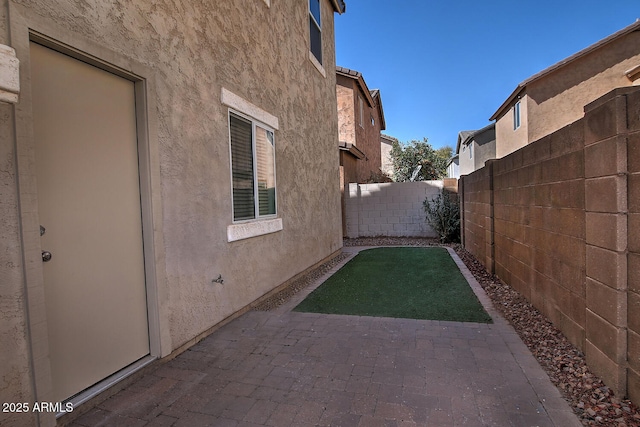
[588, 78]
[555, 97]
[386, 144]
[196, 60]
[466, 159]
[346, 107]
[372, 125]
[509, 139]
[474, 148]
[484, 146]
[453, 168]
[363, 132]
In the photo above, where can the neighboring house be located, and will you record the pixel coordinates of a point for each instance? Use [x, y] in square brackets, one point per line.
[360, 120]
[475, 147]
[164, 165]
[386, 144]
[453, 167]
[556, 96]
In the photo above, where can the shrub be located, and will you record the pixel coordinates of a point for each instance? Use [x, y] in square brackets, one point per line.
[443, 214]
[377, 177]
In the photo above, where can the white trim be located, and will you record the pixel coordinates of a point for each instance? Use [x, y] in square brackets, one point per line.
[232, 100]
[268, 3]
[253, 229]
[516, 115]
[9, 75]
[254, 124]
[317, 64]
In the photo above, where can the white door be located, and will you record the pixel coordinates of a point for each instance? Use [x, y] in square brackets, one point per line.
[89, 205]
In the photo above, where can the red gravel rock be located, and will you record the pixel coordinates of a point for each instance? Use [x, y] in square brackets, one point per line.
[593, 402]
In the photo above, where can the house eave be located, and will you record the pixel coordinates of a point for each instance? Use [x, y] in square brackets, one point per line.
[351, 149]
[516, 94]
[357, 76]
[339, 6]
[466, 136]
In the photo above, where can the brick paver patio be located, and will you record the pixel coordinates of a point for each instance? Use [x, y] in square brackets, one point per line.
[282, 368]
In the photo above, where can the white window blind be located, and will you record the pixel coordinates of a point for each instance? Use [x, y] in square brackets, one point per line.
[242, 168]
[253, 169]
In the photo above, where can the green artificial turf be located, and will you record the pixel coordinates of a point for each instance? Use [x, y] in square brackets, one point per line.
[412, 283]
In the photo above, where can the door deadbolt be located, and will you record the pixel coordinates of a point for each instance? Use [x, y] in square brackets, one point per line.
[46, 256]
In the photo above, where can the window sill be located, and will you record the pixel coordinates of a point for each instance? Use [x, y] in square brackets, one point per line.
[252, 229]
[317, 64]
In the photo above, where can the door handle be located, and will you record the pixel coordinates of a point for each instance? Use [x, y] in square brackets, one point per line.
[46, 256]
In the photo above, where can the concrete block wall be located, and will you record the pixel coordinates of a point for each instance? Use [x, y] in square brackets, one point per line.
[558, 220]
[633, 246]
[606, 207]
[539, 227]
[389, 209]
[476, 215]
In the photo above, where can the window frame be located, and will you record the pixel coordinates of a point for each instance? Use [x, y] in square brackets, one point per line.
[317, 21]
[256, 198]
[516, 116]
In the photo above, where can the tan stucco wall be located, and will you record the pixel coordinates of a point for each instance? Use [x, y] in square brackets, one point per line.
[365, 136]
[346, 109]
[509, 140]
[15, 375]
[190, 51]
[558, 98]
[368, 140]
[385, 154]
[466, 162]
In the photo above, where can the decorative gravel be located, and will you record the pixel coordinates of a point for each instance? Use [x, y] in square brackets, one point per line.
[593, 402]
[297, 285]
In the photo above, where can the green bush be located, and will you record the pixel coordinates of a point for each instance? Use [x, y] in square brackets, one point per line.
[443, 214]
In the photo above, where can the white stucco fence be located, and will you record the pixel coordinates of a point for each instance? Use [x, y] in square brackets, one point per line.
[389, 209]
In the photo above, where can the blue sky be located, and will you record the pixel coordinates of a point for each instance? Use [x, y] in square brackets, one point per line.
[446, 66]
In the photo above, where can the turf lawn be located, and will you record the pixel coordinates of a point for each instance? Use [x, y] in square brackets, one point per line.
[412, 283]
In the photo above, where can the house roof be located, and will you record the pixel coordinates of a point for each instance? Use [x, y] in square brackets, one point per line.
[598, 45]
[339, 6]
[387, 139]
[373, 97]
[357, 76]
[466, 136]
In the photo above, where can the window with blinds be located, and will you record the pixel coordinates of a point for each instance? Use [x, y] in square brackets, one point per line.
[252, 169]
